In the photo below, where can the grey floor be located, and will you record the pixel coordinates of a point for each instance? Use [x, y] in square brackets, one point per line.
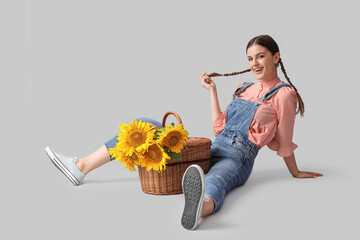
[39, 201]
[73, 70]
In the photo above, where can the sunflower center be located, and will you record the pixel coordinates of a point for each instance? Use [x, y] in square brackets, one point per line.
[136, 138]
[155, 153]
[173, 140]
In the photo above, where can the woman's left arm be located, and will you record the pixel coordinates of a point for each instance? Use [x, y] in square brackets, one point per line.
[291, 164]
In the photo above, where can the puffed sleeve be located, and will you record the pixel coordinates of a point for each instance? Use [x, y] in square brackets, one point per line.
[285, 102]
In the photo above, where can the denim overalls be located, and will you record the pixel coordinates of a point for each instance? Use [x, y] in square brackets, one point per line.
[232, 153]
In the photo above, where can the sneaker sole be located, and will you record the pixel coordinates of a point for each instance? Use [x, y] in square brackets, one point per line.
[193, 184]
[61, 166]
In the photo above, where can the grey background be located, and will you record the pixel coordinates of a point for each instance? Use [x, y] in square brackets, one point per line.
[71, 71]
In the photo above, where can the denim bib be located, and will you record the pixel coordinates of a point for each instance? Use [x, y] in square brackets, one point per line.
[239, 115]
[240, 112]
[232, 153]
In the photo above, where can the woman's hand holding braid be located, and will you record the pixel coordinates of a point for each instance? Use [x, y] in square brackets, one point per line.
[209, 85]
[207, 82]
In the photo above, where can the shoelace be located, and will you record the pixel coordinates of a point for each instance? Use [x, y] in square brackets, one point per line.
[75, 159]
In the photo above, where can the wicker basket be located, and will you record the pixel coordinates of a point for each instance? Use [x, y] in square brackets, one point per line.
[168, 182]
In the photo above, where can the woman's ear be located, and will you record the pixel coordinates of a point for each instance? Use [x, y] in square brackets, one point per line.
[276, 57]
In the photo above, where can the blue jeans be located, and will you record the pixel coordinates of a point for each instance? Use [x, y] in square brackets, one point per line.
[232, 160]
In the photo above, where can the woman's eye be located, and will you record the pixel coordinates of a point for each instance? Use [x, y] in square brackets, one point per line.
[249, 59]
[261, 56]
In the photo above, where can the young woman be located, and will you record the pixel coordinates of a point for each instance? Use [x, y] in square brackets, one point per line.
[260, 114]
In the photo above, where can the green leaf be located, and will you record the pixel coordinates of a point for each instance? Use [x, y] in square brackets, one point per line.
[160, 130]
[175, 156]
[156, 136]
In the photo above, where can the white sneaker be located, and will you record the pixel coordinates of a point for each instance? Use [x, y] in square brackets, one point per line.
[193, 184]
[67, 165]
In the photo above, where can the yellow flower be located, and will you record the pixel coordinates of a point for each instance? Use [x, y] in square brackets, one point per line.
[114, 152]
[135, 137]
[129, 161]
[173, 137]
[155, 158]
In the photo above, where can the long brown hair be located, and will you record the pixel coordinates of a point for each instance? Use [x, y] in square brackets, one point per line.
[269, 43]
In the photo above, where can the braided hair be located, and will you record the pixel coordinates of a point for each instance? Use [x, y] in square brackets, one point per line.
[269, 43]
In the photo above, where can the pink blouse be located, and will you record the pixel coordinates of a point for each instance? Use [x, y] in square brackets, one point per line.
[273, 123]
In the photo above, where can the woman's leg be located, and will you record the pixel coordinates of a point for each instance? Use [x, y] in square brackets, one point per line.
[101, 156]
[197, 205]
[224, 176]
[231, 166]
[75, 169]
[208, 206]
[93, 160]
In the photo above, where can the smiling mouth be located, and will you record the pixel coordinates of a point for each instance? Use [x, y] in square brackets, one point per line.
[258, 70]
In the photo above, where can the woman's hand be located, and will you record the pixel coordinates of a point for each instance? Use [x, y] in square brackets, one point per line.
[302, 174]
[291, 164]
[207, 82]
[209, 85]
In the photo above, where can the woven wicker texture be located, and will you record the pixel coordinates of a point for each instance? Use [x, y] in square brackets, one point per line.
[168, 182]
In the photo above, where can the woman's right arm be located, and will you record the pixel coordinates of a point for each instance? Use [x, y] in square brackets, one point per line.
[209, 85]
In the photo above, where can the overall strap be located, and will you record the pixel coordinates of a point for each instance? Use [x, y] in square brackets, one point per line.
[242, 88]
[273, 91]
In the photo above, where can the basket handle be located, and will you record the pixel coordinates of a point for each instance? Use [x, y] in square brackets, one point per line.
[173, 113]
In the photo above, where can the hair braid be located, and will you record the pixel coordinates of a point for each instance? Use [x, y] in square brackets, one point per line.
[228, 74]
[301, 108]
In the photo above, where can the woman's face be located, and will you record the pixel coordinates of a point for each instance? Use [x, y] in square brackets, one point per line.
[262, 62]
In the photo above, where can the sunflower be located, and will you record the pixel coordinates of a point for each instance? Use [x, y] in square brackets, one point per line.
[173, 138]
[129, 161]
[155, 158]
[135, 137]
[114, 153]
